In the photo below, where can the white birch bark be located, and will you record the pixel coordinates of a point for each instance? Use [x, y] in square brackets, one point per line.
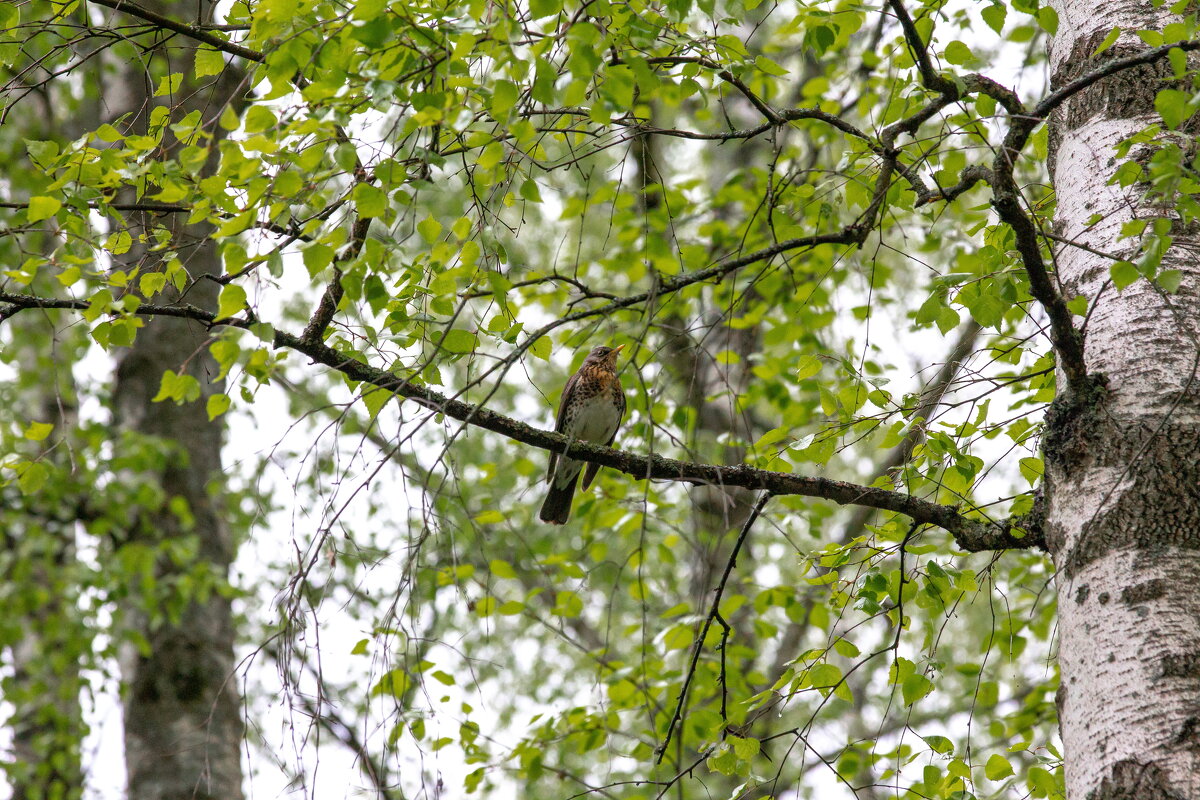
[1123, 481]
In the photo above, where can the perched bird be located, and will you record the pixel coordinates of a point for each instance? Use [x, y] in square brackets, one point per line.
[591, 408]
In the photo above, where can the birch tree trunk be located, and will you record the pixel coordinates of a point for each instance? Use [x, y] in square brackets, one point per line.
[1123, 476]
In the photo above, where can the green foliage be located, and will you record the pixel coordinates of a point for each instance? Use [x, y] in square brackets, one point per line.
[483, 191]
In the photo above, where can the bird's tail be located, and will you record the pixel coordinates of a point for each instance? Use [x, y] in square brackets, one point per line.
[557, 507]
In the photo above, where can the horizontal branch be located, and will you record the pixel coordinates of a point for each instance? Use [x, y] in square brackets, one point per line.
[970, 175]
[199, 33]
[970, 534]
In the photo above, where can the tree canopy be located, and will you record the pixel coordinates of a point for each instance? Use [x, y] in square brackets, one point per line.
[814, 564]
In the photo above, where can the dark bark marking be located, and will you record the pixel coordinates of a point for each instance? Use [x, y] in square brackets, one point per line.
[1158, 507]
[1143, 592]
[1071, 422]
[1181, 665]
[1081, 594]
[1132, 780]
[1118, 96]
[1189, 734]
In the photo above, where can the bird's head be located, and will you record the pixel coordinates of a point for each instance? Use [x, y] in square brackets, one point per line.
[604, 355]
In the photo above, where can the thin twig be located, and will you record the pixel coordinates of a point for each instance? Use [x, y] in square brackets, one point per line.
[713, 614]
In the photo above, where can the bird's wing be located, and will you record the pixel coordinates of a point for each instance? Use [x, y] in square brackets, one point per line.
[559, 420]
[568, 390]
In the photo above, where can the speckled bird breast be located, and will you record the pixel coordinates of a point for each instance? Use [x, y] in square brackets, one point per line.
[596, 408]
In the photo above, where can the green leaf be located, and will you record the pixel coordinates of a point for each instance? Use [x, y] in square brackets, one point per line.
[10, 16]
[1172, 106]
[501, 569]
[430, 229]
[567, 604]
[807, 367]
[491, 517]
[394, 683]
[38, 431]
[368, 9]
[1108, 42]
[846, 648]
[459, 341]
[994, 16]
[1032, 469]
[544, 8]
[375, 398]
[259, 118]
[31, 477]
[1047, 18]
[486, 606]
[724, 761]
[824, 675]
[745, 749]
[209, 61]
[181, 388]
[997, 767]
[1152, 38]
[504, 96]
[540, 348]
[768, 66]
[939, 744]
[151, 283]
[216, 405]
[370, 201]
[915, 687]
[958, 53]
[169, 84]
[317, 257]
[231, 301]
[1169, 280]
[1123, 273]
[41, 208]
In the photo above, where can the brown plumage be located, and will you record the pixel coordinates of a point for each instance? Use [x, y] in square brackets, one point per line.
[591, 409]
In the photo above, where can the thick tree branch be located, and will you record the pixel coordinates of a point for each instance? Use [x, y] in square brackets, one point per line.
[920, 52]
[327, 307]
[1068, 343]
[197, 32]
[970, 534]
[971, 175]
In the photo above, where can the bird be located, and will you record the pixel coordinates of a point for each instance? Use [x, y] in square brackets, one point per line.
[591, 408]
